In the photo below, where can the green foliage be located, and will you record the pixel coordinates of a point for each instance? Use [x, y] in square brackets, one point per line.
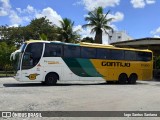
[98, 22]
[65, 32]
[40, 28]
[157, 62]
[43, 36]
[5, 52]
[88, 39]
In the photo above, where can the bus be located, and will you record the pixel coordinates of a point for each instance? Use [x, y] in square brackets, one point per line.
[50, 61]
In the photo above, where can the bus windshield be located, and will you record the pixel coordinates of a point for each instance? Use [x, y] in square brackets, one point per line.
[18, 61]
[32, 55]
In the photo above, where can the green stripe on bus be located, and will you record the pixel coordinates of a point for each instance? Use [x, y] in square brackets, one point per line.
[88, 67]
[75, 67]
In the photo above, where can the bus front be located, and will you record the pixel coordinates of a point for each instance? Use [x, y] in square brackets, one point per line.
[16, 57]
[25, 62]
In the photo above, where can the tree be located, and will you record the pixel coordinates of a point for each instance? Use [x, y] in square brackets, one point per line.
[5, 52]
[43, 37]
[66, 33]
[41, 27]
[88, 39]
[98, 22]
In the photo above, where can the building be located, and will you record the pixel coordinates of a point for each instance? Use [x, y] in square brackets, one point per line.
[142, 43]
[118, 36]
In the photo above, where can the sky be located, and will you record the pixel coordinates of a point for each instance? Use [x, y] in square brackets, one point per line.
[138, 18]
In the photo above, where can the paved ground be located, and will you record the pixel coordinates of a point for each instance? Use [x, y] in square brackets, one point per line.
[79, 96]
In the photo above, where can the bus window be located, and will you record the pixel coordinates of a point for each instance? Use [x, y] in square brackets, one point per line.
[71, 51]
[103, 53]
[117, 54]
[130, 55]
[87, 52]
[32, 54]
[144, 56]
[53, 50]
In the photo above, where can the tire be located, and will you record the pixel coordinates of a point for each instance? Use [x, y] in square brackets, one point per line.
[110, 82]
[51, 79]
[122, 79]
[132, 79]
[43, 82]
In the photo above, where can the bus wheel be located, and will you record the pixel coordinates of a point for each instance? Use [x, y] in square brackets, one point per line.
[122, 78]
[51, 79]
[110, 82]
[132, 78]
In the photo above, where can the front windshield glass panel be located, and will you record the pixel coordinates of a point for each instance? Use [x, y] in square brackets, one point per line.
[17, 61]
[22, 47]
[32, 55]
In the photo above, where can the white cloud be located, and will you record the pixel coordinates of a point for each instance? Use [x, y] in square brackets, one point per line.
[18, 16]
[29, 10]
[14, 18]
[138, 3]
[156, 36]
[83, 32]
[118, 16]
[92, 4]
[5, 7]
[157, 31]
[50, 14]
[141, 3]
[3, 12]
[150, 1]
[22, 16]
[14, 25]
[26, 19]
[19, 10]
[77, 28]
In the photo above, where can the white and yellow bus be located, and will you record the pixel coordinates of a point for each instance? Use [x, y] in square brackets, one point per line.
[49, 61]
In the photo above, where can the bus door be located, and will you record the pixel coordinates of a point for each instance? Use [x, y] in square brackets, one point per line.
[31, 69]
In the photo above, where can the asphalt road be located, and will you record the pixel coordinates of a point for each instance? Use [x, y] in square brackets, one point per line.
[79, 96]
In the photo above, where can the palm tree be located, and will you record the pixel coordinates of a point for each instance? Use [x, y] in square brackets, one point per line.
[65, 31]
[98, 22]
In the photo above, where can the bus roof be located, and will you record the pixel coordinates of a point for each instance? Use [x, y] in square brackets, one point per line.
[111, 47]
[85, 44]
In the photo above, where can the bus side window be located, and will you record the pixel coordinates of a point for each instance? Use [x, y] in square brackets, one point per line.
[117, 54]
[103, 53]
[144, 56]
[53, 53]
[130, 55]
[52, 50]
[87, 52]
[71, 51]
